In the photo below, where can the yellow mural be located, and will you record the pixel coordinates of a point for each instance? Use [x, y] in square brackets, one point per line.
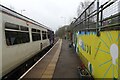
[100, 52]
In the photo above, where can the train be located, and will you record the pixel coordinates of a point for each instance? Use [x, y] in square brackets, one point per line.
[20, 39]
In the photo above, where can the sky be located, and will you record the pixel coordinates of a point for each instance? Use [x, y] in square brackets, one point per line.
[51, 13]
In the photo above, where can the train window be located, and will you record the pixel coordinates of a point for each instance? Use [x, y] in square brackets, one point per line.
[11, 26]
[36, 35]
[23, 37]
[33, 30]
[38, 30]
[44, 36]
[15, 37]
[23, 28]
[11, 38]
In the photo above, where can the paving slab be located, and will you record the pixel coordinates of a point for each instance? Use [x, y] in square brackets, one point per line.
[67, 63]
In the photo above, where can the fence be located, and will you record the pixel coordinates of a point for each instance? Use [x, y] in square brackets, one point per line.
[100, 53]
[99, 16]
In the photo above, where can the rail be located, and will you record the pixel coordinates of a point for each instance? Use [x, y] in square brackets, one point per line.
[99, 17]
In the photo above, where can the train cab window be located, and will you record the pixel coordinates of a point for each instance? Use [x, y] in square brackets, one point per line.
[36, 34]
[14, 37]
[48, 35]
[11, 26]
[44, 36]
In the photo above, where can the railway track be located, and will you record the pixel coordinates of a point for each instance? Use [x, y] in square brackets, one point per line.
[56, 42]
[21, 70]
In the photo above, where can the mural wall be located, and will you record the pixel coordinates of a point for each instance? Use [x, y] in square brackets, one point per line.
[99, 54]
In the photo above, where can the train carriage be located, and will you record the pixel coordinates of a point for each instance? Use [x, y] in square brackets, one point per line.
[21, 38]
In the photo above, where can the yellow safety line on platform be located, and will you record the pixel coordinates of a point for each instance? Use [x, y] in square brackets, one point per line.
[51, 67]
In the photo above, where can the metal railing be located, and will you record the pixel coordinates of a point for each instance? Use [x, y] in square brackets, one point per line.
[99, 17]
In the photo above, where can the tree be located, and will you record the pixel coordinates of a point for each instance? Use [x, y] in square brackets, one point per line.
[82, 6]
[85, 11]
[61, 31]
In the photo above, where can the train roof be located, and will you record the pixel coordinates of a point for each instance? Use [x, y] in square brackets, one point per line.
[20, 16]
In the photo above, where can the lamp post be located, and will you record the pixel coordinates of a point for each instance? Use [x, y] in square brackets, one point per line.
[22, 11]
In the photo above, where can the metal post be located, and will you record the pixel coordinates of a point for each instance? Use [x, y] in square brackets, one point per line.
[101, 16]
[88, 18]
[22, 11]
[85, 19]
[97, 24]
[97, 14]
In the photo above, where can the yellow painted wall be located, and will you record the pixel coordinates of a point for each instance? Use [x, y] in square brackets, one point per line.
[100, 52]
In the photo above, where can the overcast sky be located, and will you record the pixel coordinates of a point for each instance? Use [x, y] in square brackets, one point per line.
[52, 13]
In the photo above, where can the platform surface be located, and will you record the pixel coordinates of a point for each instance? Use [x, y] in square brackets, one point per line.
[67, 63]
[60, 62]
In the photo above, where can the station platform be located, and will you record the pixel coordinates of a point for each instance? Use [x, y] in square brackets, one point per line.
[60, 61]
